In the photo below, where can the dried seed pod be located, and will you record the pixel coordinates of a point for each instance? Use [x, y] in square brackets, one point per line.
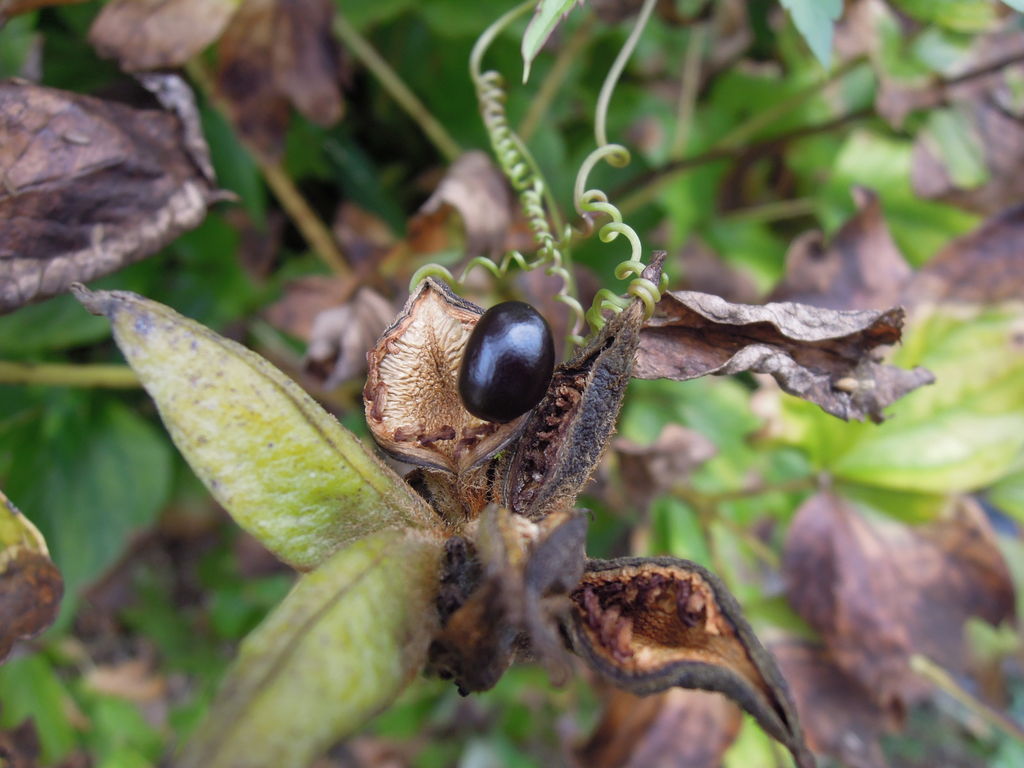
[504, 594]
[567, 432]
[411, 396]
[649, 624]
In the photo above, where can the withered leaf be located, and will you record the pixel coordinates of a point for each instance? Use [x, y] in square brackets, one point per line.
[477, 190]
[273, 52]
[413, 408]
[341, 336]
[30, 584]
[158, 34]
[838, 715]
[991, 133]
[674, 729]
[822, 355]
[566, 434]
[93, 185]
[705, 271]
[879, 591]
[983, 266]
[303, 300]
[650, 470]
[650, 624]
[19, 746]
[503, 594]
[861, 268]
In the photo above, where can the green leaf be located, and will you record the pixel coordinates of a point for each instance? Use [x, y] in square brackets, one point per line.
[960, 15]
[963, 433]
[815, 19]
[53, 324]
[950, 135]
[286, 470]
[30, 688]
[919, 227]
[91, 474]
[1008, 495]
[339, 649]
[547, 16]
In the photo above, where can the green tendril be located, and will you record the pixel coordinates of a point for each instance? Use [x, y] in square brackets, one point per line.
[537, 203]
[591, 203]
[524, 175]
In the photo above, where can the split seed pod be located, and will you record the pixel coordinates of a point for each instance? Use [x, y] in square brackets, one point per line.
[649, 624]
[411, 396]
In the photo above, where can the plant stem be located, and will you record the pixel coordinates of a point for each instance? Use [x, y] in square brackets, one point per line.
[313, 230]
[551, 84]
[776, 210]
[59, 374]
[395, 86]
[935, 674]
[310, 226]
[604, 98]
[688, 87]
[641, 189]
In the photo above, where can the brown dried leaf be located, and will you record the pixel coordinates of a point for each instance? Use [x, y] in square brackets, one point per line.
[341, 337]
[158, 34]
[30, 584]
[839, 716]
[93, 186]
[132, 679]
[705, 271]
[477, 190]
[983, 266]
[648, 625]
[503, 594]
[412, 402]
[822, 355]
[567, 432]
[20, 746]
[303, 301]
[364, 237]
[307, 58]
[674, 729]
[650, 470]
[273, 52]
[998, 136]
[879, 591]
[862, 268]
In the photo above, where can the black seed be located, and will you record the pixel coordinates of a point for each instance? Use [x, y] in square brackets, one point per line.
[507, 363]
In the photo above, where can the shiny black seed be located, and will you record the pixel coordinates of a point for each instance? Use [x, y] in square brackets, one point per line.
[507, 363]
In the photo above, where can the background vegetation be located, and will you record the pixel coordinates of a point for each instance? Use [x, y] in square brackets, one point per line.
[894, 128]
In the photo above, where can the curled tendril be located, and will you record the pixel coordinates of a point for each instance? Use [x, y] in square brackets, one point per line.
[591, 202]
[521, 170]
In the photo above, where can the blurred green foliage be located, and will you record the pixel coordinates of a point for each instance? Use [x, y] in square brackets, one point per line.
[96, 472]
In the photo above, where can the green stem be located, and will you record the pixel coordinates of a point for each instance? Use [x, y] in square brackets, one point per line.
[938, 676]
[396, 87]
[483, 42]
[612, 78]
[643, 188]
[567, 56]
[777, 210]
[688, 87]
[59, 374]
